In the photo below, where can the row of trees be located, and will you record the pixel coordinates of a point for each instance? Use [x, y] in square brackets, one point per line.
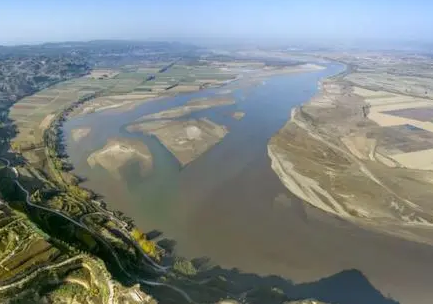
[54, 143]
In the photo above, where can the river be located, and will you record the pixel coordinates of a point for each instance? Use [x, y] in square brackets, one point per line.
[229, 205]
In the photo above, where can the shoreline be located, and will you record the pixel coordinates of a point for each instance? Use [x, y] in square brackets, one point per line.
[264, 156]
[70, 111]
[295, 182]
[56, 142]
[240, 79]
[320, 190]
[57, 139]
[67, 113]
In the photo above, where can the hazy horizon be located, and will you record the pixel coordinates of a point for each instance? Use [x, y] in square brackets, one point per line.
[30, 22]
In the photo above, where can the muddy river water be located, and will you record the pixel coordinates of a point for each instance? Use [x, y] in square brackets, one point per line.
[229, 205]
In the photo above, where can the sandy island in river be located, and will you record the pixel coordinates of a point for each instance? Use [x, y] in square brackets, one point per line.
[186, 140]
[190, 107]
[79, 134]
[189, 139]
[238, 115]
[121, 152]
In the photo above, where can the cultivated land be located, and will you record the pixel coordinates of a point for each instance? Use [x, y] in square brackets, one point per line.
[189, 139]
[362, 149]
[35, 180]
[33, 114]
[38, 269]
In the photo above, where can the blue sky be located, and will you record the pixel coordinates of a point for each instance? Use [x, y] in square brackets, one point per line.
[33, 21]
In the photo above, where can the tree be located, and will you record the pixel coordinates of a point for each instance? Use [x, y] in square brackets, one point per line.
[16, 147]
[148, 247]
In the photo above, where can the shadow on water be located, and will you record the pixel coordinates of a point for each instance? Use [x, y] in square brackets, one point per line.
[346, 287]
[213, 283]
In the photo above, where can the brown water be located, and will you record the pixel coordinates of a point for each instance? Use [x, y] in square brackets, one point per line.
[229, 205]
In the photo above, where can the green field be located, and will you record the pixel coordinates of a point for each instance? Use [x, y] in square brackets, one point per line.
[33, 114]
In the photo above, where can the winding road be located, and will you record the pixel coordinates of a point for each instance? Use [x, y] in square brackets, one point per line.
[125, 233]
[156, 267]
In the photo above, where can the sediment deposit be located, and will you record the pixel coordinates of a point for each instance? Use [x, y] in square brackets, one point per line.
[186, 140]
[79, 134]
[334, 157]
[121, 152]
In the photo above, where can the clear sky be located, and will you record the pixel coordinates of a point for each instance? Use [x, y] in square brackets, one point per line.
[33, 21]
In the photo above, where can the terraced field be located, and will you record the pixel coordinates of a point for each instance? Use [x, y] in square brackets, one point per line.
[37, 268]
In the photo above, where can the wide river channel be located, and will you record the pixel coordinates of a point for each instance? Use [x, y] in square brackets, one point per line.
[229, 206]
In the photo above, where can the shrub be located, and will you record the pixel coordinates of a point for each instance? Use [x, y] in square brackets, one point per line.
[185, 267]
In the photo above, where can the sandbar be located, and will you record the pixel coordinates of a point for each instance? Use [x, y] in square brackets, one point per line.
[120, 152]
[186, 140]
[79, 134]
[191, 106]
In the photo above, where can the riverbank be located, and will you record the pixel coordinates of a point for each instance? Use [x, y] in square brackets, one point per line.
[58, 157]
[324, 157]
[229, 201]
